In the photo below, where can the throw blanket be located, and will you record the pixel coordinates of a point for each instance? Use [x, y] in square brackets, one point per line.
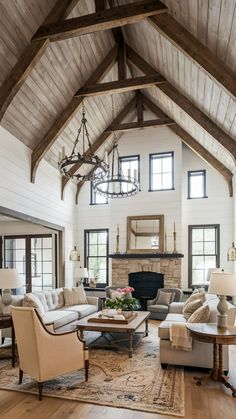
[179, 337]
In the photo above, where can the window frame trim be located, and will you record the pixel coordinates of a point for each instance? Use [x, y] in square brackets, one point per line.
[204, 184]
[150, 171]
[191, 227]
[86, 231]
[92, 194]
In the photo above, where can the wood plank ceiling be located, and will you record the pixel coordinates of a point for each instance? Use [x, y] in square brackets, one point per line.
[66, 65]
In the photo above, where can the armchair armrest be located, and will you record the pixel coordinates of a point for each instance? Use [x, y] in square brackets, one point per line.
[151, 302]
[176, 308]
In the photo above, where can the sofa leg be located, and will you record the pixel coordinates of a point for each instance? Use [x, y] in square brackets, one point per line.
[40, 386]
[163, 366]
[86, 369]
[3, 340]
[20, 376]
[226, 372]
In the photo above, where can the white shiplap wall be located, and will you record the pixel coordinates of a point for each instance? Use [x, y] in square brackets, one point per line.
[42, 199]
[217, 208]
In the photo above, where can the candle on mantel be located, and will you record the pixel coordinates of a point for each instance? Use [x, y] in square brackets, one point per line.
[165, 247]
[174, 227]
[118, 230]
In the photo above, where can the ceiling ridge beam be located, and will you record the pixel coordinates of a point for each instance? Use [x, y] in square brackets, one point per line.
[98, 142]
[194, 145]
[120, 86]
[30, 57]
[102, 20]
[68, 113]
[185, 104]
[187, 43]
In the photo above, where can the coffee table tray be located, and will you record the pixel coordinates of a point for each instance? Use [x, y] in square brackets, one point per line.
[128, 317]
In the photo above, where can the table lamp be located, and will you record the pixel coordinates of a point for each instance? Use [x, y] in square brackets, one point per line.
[9, 279]
[82, 273]
[222, 284]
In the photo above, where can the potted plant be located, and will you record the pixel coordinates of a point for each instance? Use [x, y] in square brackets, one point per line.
[123, 300]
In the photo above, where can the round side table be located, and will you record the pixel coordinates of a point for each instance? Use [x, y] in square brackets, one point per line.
[210, 333]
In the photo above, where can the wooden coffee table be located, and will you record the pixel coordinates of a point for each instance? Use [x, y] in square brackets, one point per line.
[129, 329]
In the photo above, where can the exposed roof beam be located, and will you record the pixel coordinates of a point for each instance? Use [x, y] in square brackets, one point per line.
[99, 141]
[193, 144]
[120, 86]
[192, 110]
[68, 113]
[99, 5]
[185, 41]
[130, 126]
[122, 67]
[139, 106]
[103, 20]
[30, 56]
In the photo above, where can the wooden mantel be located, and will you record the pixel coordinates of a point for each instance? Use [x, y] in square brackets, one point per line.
[145, 255]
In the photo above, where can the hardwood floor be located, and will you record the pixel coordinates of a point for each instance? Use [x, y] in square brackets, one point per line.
[210, 401]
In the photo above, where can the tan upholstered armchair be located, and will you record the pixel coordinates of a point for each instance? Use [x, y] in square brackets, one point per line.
[43, 354]
[159, 306]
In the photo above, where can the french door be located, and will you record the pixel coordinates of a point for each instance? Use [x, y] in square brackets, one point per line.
[34, 256]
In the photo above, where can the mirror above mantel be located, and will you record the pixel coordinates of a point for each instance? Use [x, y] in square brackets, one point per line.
[145, 234]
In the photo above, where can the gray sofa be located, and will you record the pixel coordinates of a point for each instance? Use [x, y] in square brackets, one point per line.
[202, 353]
[55, 310]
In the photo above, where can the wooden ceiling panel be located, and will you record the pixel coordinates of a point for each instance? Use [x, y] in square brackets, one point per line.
[191, 127]
[213, 23]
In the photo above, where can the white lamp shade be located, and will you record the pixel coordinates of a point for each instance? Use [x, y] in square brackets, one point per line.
[9, 279]
[222, 283]
[210, 271]
[82, 273]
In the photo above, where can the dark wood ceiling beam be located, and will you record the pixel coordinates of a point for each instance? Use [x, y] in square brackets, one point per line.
[139, 106]
[131, 126]
[103, 20]
[185, 104]
[120, 86]
[185, 41]
[99, 5]
[30, 56]
[193, 144]
[67, 114]
[122, 67]
[99, 141]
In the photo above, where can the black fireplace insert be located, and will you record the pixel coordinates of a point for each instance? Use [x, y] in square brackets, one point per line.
[146, 285]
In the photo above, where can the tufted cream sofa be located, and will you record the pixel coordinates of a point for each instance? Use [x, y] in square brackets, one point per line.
[54, 309]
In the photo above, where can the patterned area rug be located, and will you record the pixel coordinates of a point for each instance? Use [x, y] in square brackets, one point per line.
[137, 383]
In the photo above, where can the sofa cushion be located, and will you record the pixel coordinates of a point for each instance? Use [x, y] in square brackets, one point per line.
[158, 308]
[164, 328]
[201, 315]
[82, 310]
[31, 300]
[42, 298]
[60, 317]
[54, 299]
[74, 296]
[191, 307]
[164, 298]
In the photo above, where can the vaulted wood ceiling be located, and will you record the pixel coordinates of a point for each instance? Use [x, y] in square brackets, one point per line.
[186, 50]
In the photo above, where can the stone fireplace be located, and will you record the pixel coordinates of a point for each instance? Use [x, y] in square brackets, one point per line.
[167, 263]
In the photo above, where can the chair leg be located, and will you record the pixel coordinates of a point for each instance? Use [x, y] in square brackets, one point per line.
[86, 370]
[20, 376]
[163, 366]
[40, 386]
[3, 340]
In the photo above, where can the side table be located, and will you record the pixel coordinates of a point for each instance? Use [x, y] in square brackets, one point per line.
[210, 333]
[5, 322]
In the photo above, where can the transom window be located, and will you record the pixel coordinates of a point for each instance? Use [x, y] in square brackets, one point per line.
[203, 252]
[129, 166]
[161, 169]
[197, 184]
[96, 255]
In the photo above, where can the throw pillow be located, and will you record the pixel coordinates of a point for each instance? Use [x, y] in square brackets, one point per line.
[74, 296]
[201, 315]
[164, 298]
[31, 300]
[191, 307]
[196, 296]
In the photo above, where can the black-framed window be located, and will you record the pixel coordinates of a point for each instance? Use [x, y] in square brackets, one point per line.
[197, 184]
[204, 251]
[130, 166]
[96, 198]
[96, 255]
[34, 256]
[161, 171]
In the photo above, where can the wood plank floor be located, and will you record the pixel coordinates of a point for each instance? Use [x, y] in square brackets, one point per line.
[210, 401]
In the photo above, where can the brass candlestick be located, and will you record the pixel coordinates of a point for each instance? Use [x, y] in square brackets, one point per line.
[174, 234]
[117, 243]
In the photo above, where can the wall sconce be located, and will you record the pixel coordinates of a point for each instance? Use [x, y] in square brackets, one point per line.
[74, 255]
[232, 253]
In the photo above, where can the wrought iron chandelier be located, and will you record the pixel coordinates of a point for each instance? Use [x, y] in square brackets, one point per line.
[97, 166]
[115, 184]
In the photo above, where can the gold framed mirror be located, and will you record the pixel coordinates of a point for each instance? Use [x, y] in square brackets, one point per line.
[145, 234]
